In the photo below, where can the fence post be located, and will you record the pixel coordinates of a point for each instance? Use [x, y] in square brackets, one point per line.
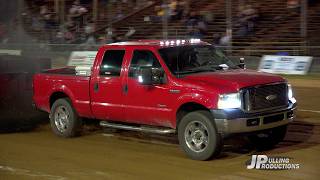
[95, 9]
[229, 23]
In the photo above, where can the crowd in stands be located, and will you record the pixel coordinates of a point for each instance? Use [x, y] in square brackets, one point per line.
[78, 17]
[174, 11]
[79, 26]
[168, 10]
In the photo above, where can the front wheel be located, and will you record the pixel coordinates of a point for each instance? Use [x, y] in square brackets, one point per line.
[198, 136]
[63, 119]
[269, 138]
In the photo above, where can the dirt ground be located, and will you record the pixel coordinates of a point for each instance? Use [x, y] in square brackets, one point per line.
[102, 154]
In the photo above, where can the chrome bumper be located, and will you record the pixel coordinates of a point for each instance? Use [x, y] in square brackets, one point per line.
[242, 125]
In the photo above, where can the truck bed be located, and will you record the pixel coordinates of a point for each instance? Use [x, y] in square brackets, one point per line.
[66, 81]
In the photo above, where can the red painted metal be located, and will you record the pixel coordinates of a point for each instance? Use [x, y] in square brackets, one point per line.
[152, 105]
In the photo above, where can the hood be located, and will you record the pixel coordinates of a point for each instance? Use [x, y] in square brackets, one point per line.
[233, 80]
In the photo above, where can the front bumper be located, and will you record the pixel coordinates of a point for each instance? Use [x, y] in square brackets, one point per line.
[237, 121]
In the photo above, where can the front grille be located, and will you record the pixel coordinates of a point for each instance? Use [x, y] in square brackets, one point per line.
[271, 119]
[265, 97]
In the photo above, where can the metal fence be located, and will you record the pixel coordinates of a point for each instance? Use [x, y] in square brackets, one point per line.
[59, 53]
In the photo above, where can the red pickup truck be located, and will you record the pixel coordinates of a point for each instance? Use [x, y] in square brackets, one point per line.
[186, 87]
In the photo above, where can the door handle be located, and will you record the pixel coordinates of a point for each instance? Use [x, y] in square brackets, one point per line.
[125, 89]
[96, 87]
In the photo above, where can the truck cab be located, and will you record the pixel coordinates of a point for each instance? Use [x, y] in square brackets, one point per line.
[187, 87]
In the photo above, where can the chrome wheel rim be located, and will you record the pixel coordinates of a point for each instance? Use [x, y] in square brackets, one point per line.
[61, 118]
[196, 136]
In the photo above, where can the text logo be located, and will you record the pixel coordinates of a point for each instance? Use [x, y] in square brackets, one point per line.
[271, 163]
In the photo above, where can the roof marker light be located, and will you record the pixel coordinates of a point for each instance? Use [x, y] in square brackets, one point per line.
[192, 41]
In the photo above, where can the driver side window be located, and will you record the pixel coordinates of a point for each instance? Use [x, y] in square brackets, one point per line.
[142, 58]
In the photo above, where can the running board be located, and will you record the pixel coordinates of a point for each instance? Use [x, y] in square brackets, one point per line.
[147, 129]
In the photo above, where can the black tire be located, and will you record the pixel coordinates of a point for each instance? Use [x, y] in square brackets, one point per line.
[201, 120]
[266, 140]
[70, 124]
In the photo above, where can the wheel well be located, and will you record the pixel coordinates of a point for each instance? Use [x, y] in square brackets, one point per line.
[186, 108]
[55, 96]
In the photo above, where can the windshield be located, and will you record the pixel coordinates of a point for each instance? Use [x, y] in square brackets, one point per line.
[194, 59]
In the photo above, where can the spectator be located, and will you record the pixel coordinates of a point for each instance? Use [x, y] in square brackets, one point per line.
[160, 11]
[195, 32]
[192, 19]
[293, 6]
[225, 40]
[178, 11]
[251, 17]
[202, 26]
[70, 24]
[216, 38]
[47, 16]
[196, 25]
[172, 7]
[130, 33]
[89, 28]
[246, 20]
[76, 12]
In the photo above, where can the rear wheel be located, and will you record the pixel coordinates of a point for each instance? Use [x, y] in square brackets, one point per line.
[63, 119]
[198, 136]
[268, 139]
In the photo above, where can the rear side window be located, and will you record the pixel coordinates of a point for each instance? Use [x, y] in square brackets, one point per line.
[112, 62]
[142, 58]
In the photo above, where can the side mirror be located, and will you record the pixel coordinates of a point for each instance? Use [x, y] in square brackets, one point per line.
[150, 76]
[242, 64]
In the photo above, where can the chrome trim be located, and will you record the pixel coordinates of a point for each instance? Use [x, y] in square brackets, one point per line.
[267, 109]
[147, 129]
[259, 85]
[239, 125]
[242, 90]
[174, 91]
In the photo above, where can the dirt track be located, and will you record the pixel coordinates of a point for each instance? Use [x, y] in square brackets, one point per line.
[125, 155]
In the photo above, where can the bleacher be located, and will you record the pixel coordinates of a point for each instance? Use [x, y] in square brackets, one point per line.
[276, 30]
[110, 13]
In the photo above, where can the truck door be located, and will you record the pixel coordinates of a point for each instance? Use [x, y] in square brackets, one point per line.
[150, 105]
[106, 86]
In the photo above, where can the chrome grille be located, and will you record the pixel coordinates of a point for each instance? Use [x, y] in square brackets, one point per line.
[265, 97]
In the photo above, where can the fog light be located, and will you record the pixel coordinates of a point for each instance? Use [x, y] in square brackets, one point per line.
[253, 122]
[290, 114]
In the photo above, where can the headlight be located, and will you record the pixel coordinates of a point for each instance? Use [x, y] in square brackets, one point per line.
[228, 101]
[290, 94]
